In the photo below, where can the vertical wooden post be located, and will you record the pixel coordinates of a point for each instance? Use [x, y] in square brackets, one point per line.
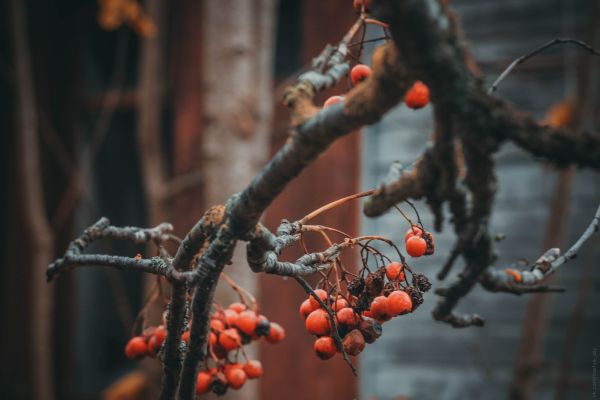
[292, 371]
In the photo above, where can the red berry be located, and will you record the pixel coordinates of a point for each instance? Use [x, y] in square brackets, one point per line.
[136, 348]
[247, 322]
[321, 294]
[413, 231]
[332, 100]
[394, 271]
[212, 339]
[359, 3]
[359, 73]
[236, 377]
[238, 307]
[230, 339]
[339, 304]
[416, 246]
[186, 336]
[306, 308]
[346, 316]
[231, 317]
[325, 347]
[379, 308]
[317, 323]
[417, 96]
[216, 325]
[203, 383]
[399, 302]
[253, 369]
[276, 333]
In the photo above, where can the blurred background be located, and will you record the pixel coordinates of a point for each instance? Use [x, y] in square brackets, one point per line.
[172, 106]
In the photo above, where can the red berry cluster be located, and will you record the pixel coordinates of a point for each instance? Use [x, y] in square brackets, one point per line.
[360, 313]
[417, 96]
[147, 344]
[418, 242]
[230, 329]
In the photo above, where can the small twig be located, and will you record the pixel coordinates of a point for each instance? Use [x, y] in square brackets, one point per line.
[535, 52]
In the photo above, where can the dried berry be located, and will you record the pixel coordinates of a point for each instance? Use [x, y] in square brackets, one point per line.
[356, 286]
[354, 342]
[371, 329]
[421, 281]
[374, 282]
[219, 384]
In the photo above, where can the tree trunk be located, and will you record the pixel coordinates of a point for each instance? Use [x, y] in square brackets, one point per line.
[237, 105]
[37, 250]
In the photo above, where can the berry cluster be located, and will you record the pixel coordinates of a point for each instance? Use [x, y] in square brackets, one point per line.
[418, 242]
[369, 301]
[358, 73]
[147, 344]
[230, 329]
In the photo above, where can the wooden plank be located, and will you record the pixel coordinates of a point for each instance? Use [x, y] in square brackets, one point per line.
[292, 371]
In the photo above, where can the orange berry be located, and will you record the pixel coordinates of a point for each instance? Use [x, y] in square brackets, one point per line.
[253, 369]
[321, 294]
[332, 100]
[231, 317]
[136, 348]
[399, 302]
[416, 246]
[367, 314]
[339, 304]
[325, 347]
[413, 231]
[276, 333]
[216, 325]
[237, 307]
[417, 96]
[379, 308]
[306, 308]
[203, 383]
[186, 336]
[230, 339]
[394, 271]
[317, 323]
[359, 73]
[212, 339]
[346, 316]
[236, 377]
[247, 322]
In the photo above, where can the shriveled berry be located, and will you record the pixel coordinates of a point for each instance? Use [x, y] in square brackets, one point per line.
[317, 323]
[230, 339]
[371, 329]
[203, 383]
[276, 333]
[428, 237]
[332, 100]
[354, 342]
[247, 322]
[394, 271]
[236, 377]
[325, 347]
[379, 308]
[417, 96]
[263, 327]
[219, 384]
[238, 307]
[416, 246]
[321, 294]
[359, 73]
[306, 308]
[346, 316]
[399, 302]
[253, 369]
[136, 348]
